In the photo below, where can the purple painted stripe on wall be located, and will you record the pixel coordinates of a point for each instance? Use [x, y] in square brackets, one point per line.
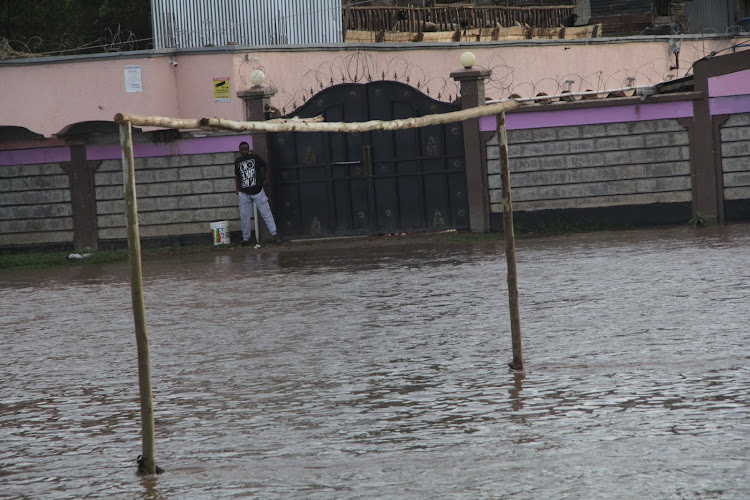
[729, 105]
[591, 116]
[35, 156]
[731, 84]
[196, 146]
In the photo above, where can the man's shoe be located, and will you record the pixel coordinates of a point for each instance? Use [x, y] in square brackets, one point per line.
[276, 239]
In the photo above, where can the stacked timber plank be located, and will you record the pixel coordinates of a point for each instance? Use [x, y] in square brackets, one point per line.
[463, 23]
[474, 34]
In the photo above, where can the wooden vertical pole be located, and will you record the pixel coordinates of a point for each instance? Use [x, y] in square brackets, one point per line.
[510, 244]
[147, 463]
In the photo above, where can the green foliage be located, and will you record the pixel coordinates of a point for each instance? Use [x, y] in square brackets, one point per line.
[700, 220]
[75, 26]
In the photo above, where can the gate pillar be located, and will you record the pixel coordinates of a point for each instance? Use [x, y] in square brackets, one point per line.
[258, 108]
[472, 95]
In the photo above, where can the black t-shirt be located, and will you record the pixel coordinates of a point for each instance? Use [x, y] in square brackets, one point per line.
[250, 171]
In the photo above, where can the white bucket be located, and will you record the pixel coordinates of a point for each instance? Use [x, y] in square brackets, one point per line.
[220, 232]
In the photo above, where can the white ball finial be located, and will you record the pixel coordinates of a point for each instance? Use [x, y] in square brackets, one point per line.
[257, 77]
[468, 59]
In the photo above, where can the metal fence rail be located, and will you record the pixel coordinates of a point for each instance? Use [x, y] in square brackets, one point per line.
[201, 23]
[447, 18]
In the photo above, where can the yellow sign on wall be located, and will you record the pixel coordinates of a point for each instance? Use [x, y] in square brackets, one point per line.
[221, 89]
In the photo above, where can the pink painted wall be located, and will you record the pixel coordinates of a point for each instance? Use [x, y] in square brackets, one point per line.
[47, 95]
[522, 68]
[195, 74]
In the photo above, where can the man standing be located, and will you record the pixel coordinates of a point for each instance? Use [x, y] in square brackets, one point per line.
[249, 173]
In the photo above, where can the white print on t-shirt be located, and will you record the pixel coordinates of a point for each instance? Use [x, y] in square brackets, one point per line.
[247, 173]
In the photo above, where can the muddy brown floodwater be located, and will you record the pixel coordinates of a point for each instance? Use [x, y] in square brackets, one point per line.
[381, 372]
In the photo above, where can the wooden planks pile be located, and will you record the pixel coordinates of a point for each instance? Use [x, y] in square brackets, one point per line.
[474, 34]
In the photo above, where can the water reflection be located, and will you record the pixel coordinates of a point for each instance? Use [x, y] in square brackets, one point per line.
[515, 391]
[150, 488]
[223, 259]
[382, 373]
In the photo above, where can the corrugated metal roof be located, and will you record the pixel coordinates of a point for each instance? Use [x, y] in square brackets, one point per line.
[200, 23]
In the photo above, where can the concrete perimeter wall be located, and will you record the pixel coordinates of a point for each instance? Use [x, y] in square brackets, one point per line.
[735, 159]
[628, 172]
[182, 186]
[177, 196]
[661, 159]
[35, 206]
[626, 160]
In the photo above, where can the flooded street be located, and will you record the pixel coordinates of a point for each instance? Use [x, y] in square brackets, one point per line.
[381, 373]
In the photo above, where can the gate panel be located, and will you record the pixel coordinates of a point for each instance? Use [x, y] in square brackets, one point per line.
[437, 201]
[284, 161]
[458, 199]
[314, 184]
[409, 171]
[350, 185]
[376, 182]
[411, 208]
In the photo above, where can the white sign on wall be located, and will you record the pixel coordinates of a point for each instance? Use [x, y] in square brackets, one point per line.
[133, 79]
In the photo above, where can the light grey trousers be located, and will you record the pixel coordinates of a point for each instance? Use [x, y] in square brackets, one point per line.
[246, 212]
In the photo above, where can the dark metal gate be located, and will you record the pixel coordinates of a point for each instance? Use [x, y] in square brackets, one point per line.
[332, 184]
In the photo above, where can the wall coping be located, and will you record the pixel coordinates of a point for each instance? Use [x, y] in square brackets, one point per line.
[354, 47]
[622, 110]
[607, 102]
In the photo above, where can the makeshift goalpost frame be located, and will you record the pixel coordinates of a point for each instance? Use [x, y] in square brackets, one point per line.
[148, 462]
[291, 125]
